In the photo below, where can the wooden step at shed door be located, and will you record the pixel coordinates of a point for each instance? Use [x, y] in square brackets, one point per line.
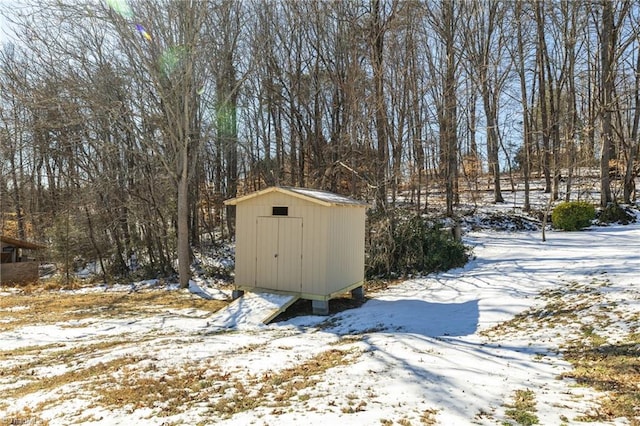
[252, 309]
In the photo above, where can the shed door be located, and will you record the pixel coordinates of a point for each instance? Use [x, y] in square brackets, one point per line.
[279, 253]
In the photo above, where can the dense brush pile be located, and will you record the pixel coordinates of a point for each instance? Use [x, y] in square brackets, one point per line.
[401, 245]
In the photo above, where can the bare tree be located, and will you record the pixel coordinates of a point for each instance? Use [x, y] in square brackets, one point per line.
[378, 28]
[167, 45]
[544, 78]
[485, 46]
[520, 60]
[443, 61]
[609, 54]
[222, 33]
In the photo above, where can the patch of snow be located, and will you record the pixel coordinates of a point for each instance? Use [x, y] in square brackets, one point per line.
[325, 196]
[15, 308]
[250, 310]
[199, 288]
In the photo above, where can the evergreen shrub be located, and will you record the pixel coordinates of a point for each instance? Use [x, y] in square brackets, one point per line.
[573, 215]
[615, 213]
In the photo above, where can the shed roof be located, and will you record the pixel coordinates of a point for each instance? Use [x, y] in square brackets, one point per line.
[21, 244]
[317, 196]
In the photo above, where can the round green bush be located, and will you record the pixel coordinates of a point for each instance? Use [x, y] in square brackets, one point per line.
[573, 215]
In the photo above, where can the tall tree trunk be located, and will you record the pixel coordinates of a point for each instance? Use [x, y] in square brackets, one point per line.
[448, 131]
[184, 251]
[570, 43]
[607, 74]
[632, 169]
[526, 128]
[377, 58]
[542, 57]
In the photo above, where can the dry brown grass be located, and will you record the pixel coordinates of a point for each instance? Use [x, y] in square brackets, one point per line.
[277, 389]
[48, 307]
[25, 417]
[76, 375]
[611, 368]
[564, 306]
[523, 408]
[26, 361]
[225, 394]
[428, 417]
[115, 374]
[81, 367]
[614, 369]
[169, 393]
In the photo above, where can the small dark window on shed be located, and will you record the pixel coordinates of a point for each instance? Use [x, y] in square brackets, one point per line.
[280, 211]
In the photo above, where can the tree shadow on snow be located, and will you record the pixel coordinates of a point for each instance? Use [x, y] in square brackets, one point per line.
[413, 316]
[404, 315]
[429, 347]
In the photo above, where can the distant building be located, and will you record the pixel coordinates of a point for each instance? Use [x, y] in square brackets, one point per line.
[15, 266]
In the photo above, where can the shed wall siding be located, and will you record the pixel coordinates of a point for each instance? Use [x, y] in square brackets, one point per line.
[314, 239]
[290, 254]
[314, 250]
[346, 258]
[332, 245]
[245, 247]
[266, 244]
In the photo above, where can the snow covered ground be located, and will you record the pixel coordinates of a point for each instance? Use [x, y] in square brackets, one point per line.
[441, 349]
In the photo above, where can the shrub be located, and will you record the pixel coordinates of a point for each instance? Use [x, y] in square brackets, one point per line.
[573, 215]
[380, 241]
[399, 246]
[615, 213]
[424, 248]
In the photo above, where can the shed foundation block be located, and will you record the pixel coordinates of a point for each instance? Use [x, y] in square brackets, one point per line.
[358, 293]
[236, 294]
[320, 307]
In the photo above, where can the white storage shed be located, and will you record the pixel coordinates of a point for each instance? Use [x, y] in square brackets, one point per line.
[299, 241]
